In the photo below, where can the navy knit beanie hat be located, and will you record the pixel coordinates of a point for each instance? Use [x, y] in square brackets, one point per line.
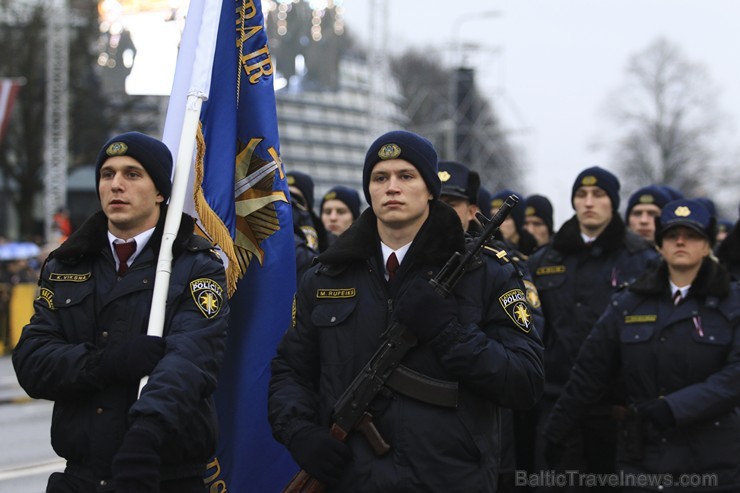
[400, 144]
[651, 194]
[344, 194]
[517, 213]
[302, 182]
[539, 206]
[151, 153]
[599, 177]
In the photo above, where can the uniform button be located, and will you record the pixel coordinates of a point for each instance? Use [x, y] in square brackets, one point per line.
[660, 487]
[716, 423]
[637, 336]
[104, 334]
[711, 338]
[663, 440]
[662, 339]
[578, 304]
[68, 301]
[333, 319]
[145, 281]
[99, 410]
[103, 482]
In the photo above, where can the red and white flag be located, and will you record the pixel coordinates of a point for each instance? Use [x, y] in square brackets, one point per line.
[8, 91]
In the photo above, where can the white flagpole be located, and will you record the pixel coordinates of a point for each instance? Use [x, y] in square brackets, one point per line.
[196, 61]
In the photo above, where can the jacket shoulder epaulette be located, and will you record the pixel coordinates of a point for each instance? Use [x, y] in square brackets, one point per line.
[197, 243]
[498, 253]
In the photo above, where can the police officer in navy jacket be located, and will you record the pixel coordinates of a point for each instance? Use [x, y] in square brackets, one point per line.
[86, 347]
[481, 337]
[673, 338]
[591, 255]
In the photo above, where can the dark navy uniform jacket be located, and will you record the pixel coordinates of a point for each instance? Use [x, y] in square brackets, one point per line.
[729, 252]
[575, 282]
[83, 307]
[689, 354]
[344, 304]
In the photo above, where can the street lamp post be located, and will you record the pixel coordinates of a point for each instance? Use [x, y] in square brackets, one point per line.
[463, 80]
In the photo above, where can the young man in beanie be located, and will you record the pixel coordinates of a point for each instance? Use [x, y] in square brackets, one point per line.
[643, 206]
[308, 230]
[86, 346]
[589, 258]
[470, 343]
[670, 343]
[538, 219]
[513, 232]
[340, 207]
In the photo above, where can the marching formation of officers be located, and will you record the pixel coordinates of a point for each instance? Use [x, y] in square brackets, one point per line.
[607, 346]
[637, 340]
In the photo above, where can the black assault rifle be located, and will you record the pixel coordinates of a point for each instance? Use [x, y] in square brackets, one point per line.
[351, 410]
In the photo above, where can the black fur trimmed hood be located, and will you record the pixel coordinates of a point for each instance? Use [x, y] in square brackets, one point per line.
[439, 237]
[91, 238]
[568, 239]
[712, 280]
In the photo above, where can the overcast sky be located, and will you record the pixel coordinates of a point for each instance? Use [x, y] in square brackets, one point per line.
[550, 65]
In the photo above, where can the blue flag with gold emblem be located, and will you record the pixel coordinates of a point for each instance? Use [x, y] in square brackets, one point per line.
[240, 199]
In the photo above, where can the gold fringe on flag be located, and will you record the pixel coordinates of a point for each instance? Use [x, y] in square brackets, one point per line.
[215, 228]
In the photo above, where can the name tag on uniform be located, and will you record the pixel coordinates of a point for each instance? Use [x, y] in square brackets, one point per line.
[549, 269]
[640, 319]
[70, 277]
[336, 293]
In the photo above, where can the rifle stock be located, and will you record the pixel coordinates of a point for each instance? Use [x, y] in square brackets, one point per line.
[350, 410]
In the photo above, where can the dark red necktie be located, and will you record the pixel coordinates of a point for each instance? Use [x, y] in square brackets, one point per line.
[391, 265]
[677, 297]
[124, 252]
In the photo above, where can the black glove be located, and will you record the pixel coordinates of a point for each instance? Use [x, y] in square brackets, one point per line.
[320, 454]
[554, 452]
[658, 412]
[136, 465]
[423, 311]
[132, 359]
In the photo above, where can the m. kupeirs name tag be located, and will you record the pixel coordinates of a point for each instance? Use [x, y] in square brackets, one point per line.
[69, 277]
[550, 269]
[640, 319]
[336, 293]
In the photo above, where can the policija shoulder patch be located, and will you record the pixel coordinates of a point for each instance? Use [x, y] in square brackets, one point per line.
[48, 296]
[514, 303]
[208, 296]
[533, 297]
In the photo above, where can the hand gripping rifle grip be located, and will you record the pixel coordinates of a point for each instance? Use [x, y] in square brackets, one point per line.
[303, 482]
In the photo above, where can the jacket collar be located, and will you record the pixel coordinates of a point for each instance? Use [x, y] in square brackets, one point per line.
[439, 237]
[712, 280]
[568, 239]
[91, 238]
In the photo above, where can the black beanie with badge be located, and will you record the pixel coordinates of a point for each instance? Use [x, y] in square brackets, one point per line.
[413, 148]
[151, 153]
[598, 177]
[348, 196]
